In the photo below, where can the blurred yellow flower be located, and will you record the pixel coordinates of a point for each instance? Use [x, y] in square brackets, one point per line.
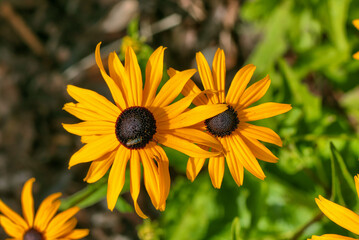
[238, 138]
[132, 129]
[44, 225]
[356, 24]
[340, 215]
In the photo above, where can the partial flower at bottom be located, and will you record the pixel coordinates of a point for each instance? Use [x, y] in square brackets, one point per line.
[131, 130]
[340, 215]
[240, 139]
[42, 225]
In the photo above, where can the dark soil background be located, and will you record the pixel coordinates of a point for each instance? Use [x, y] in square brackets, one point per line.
[45, 45]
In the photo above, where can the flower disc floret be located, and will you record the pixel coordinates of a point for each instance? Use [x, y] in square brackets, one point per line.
[224, 123]
[33, 234]
[135, 127]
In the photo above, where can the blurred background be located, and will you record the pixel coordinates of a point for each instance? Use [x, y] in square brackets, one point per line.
[306, 47]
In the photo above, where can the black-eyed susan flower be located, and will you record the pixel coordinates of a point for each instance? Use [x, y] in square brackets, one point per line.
[240, 139]
[356, 24]
[45, 224]
[340, 215]
[132, 129]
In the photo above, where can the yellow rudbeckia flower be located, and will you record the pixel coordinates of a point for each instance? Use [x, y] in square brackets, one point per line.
[43, 225]
[340, 215]
[132, 128]
[238, 137]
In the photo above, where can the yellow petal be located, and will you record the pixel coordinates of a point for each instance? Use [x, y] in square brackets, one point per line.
[78, 234]
[46, 211]
[356, 23]
[356, 179]
[194, 165]
[193, 116]
[239, 84]
[27, 202]
[184, 146]
[59, 221]
[164, 174]
[338, 214]
[92, 138]
[246, 157]
[150, 175]
[61, 230]
[262, 111]
[172, 88]
[252, 94]
[94, 101]
[90, 128]
[173, 110]
[135, 175]
[261, 133]
[124, 80]
[116, 179]
[117, 79]
[79, 111]
[356, 55]
[234, 165]
[219, 73]
[154, 69]
[13, 216]
[259, 150]
[216, 170]
[331, 237]
[11, 228]
[134, 73]
[94, 150]
[114, 88]
[100, 167]
[206, 76]
[197, 136]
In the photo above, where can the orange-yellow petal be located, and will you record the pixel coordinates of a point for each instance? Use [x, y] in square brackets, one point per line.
[245, 156]
[61, 230]
[356, 179]
[77, 234]
[194, 166]
[261, 133]
[13, 229]
[100, 167]
[356, 55]
[338, 214]
[84, 113]
[134, 73]
[164, 174]
[94, 150]
[154, 70]
[95, 102]
[135, 175]
[111, 83]
[13, 216]
[331, 237]
[184, 146]
[262, 111]
[90, 128]
[116, 179]
[56, 224]
[193, 116]
[234, 165]
[252, 94]
[172, 88]
[259, 150]
[356, 23]
[216, 170]
[27, 202]
[239, 84]
[206, 76]
[46, 211]
[219, 73]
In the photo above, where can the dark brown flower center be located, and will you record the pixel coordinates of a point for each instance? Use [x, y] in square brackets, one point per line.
[33, 234]
[224, 123]
[135, 127]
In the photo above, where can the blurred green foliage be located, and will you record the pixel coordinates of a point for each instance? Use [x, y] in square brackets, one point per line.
[306, 47]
